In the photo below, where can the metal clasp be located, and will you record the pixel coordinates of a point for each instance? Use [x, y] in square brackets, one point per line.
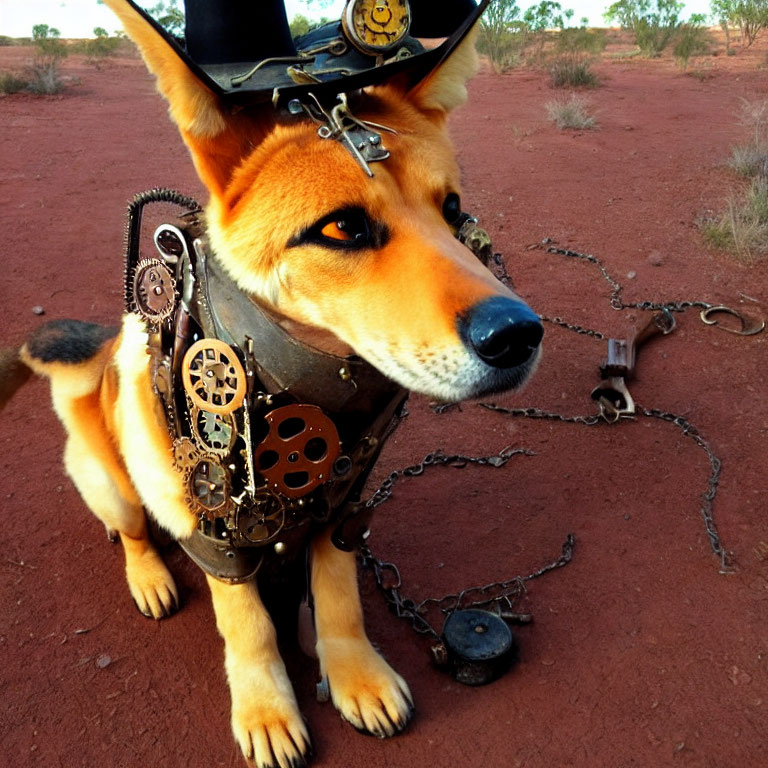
[612, 394]
[749, 325]
[361, 137]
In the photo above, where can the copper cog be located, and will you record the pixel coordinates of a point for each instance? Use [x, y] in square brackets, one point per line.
[298, 452]
[154, 290]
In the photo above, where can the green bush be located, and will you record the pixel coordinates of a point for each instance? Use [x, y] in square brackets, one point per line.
[581, 39]
[572, 70]
[691, 40]
[101, 46]
[502, 35]
[49, 51]
[12, 83]
[653, 22]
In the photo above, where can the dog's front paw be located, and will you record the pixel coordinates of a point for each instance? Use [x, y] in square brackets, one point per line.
[266, 720]
[151, 584]
[364, 688]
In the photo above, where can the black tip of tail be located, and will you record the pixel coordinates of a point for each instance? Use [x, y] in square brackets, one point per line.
[68, 341]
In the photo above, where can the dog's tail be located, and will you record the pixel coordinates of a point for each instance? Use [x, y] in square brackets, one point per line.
[64, 350]
[13, 374]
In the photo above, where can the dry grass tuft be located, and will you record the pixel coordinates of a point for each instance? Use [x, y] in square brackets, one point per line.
[743, 228]
[570, 113]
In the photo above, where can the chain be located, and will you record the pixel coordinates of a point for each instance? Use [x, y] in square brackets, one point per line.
[502, 596]
[685, 426]
[499, 595]
[438, 458]
[616, 300]
[708, 497]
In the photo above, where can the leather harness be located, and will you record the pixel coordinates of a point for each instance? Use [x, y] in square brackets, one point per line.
[273, 437]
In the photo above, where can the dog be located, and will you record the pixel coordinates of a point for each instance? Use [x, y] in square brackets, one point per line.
[353, 265]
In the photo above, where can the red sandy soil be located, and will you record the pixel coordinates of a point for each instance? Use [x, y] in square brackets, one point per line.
[641, 653]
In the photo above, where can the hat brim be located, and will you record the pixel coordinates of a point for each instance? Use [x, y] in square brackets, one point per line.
[271, 82]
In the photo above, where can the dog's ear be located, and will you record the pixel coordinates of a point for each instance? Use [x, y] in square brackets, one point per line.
[446, 87]
[217, 139]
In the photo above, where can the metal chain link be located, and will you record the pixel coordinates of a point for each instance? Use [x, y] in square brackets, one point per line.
[686, 427]
[616, 300]
[500, 595]
[708, 497]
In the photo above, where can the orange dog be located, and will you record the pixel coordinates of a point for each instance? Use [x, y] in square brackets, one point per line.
[355, 265]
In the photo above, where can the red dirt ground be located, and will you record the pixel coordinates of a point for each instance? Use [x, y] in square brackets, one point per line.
[641, 653]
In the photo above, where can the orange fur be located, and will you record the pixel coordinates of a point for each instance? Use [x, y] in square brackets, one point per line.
[396, 305]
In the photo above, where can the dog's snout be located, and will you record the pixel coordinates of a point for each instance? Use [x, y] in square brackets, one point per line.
[503, 332]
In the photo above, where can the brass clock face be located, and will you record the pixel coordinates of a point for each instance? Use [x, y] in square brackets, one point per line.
[376, 26]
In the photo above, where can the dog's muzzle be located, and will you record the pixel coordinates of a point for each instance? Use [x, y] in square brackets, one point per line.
[503, 332]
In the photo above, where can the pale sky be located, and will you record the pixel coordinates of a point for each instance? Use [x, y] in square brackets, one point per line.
[77, 18]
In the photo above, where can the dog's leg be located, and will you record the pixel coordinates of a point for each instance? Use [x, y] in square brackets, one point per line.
[77, 358]
[265, 716]
[97, 472]
[364, 688]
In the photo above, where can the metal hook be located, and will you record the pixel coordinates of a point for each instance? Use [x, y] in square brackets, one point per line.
[746, 328]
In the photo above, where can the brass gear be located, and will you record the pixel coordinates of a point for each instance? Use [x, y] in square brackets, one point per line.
[264, 521]
[213, 376]
[185, 454]
[208, 488]
[154, 290]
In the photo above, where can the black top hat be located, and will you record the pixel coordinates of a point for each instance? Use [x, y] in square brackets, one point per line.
[243, 49]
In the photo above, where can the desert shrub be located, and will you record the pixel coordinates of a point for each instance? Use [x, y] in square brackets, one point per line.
[101, 46]
[49, 51]
[751, 158]
[572, 70]
[749, 161]
[751, 16]
[45, 79]
[690, 40]
[12, 83]
[581, 39]
[540, 19]
[743, 228]
[502, 35]
[570, 113]
[5, 41]
[653, 22]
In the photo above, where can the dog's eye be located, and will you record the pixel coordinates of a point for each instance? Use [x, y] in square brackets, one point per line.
[452, 207]
[346, 228]
[340, 229]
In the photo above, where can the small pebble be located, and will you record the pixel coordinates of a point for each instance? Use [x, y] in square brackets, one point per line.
[655, 259]
[103, 661]
[38, 310]
[631, 275]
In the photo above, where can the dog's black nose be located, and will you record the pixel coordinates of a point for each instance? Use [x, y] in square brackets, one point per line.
[503, 332]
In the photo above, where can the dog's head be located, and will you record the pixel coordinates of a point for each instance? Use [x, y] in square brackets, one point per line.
[369, 263]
